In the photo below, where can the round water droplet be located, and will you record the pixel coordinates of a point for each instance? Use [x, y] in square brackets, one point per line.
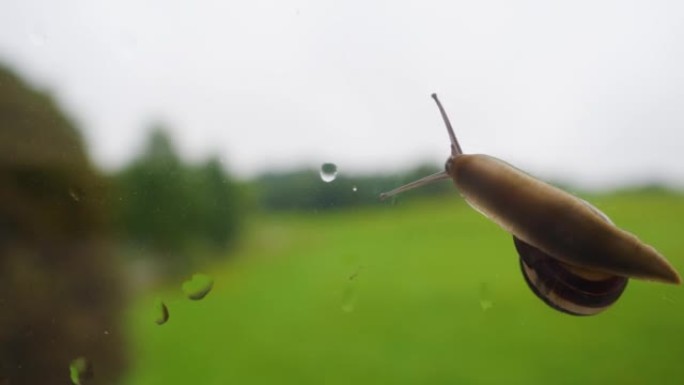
[328, 172]
[161, 312]
[80, 371]
[198, 286]
[354, 189]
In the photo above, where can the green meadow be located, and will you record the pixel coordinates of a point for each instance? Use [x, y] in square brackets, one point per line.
[416, 292]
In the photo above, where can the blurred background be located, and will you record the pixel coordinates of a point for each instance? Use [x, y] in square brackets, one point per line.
[188, 191]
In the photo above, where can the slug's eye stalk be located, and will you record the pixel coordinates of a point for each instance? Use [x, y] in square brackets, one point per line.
[442, 175]
[455, 147]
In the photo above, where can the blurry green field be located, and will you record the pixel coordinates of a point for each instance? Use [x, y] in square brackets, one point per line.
[415, 293]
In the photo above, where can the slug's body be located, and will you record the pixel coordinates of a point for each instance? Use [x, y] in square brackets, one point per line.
[554, 221]
[572, 256]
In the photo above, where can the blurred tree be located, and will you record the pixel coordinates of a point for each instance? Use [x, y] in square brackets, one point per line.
[152, 202]
[60, 291]
[217, 206]
[173, 208]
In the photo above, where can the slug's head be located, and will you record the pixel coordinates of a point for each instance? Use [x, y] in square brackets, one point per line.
[449, 167]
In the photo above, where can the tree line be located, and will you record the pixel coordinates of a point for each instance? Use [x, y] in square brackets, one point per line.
[173, 208]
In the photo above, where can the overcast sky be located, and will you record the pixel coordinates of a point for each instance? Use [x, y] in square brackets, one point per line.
[591, 92]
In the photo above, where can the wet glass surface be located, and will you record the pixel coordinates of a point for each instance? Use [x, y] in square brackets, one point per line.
[189, 193]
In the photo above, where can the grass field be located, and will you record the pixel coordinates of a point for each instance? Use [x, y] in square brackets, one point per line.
[415, 293]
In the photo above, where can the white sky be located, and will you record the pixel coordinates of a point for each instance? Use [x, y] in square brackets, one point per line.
[587, 91]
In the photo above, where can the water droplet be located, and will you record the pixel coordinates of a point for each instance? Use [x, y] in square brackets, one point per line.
[80, 370]
[349, 299]
[198, 286]
[328, 172]
[161, 312]
[668, 299]
[349, 294]
[37, 37]
[354, 189]
[486, 302]
[74, 195]
[106, 332]
[355, 274]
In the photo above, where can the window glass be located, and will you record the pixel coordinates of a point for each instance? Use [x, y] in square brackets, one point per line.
[190, 192]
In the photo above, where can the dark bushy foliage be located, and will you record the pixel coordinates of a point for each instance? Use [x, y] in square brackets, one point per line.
[60, 292]
[171, 207]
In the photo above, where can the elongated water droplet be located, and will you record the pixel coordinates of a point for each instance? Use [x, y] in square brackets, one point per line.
[486, 302]
[161, 311]
[349, 294]
[74, 195]
[349, 299]
[80, 371]
[198, 286]
[328, 172]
